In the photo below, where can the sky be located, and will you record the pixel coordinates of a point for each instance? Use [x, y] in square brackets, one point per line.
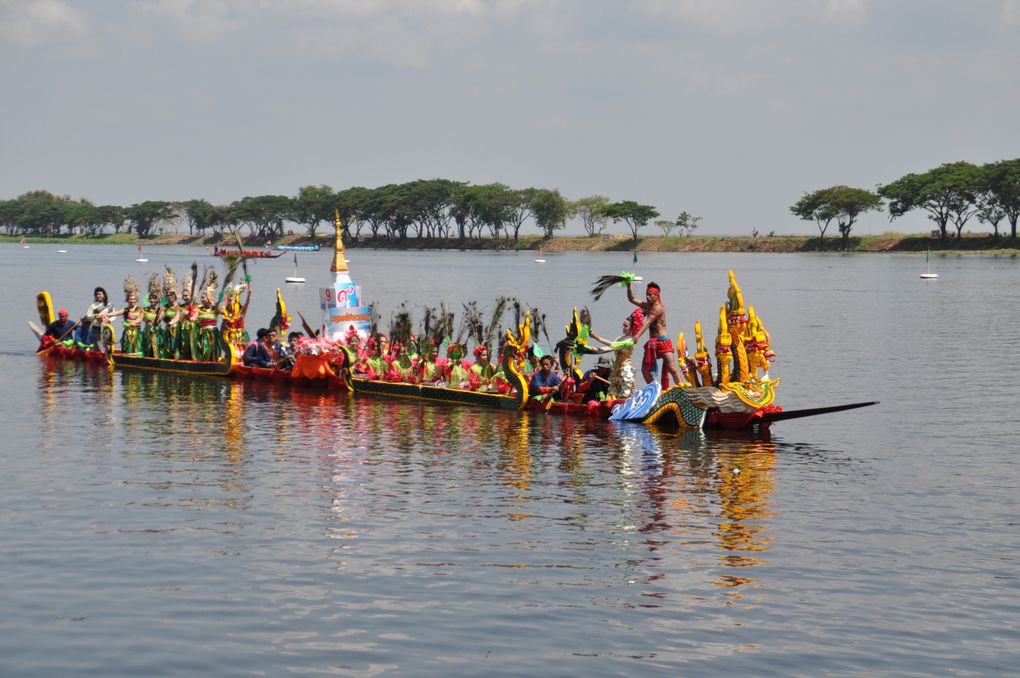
[730, 110]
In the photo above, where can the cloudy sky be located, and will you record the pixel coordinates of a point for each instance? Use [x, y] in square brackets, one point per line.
[728, 109]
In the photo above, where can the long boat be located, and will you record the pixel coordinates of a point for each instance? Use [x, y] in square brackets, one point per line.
[739, 396]
[298, 248]
[247, 253]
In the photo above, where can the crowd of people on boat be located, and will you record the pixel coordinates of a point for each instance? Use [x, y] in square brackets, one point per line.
[171, 323]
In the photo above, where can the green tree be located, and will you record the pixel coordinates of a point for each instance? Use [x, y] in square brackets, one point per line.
[200, 215]
[112, 215]
[145, 216]
[84, 216]
[687, 222]
[636, 216]
[667, 226]
[945, 193]
[550, 210]
[312, 206]
[849, 204]
[591, 211]
[263, 215]
[9, 212]
[40, 212]
[1002, 183]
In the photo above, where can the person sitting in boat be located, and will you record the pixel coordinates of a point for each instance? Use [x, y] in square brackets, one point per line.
[264, 351]
[594, 385]
[545, 383]
[289, 355]
[374, 364]
[60, 329]
[481, 372]
[96, 320]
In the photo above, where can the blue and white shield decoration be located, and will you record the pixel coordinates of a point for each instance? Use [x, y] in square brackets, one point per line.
[636, 407]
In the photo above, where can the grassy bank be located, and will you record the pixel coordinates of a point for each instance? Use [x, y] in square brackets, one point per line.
[886, 242]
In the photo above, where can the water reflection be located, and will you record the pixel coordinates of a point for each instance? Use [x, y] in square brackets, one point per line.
[679, 509]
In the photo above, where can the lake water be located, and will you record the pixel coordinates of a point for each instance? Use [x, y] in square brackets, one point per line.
[154, 524]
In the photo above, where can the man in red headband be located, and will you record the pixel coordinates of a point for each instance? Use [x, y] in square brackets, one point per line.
[659, 344]
[60, 328]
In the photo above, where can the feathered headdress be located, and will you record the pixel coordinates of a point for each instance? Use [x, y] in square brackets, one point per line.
[472, 324]
[131, 287]
[400, 326]
[188, 285]
[209, 280]
[497, 317]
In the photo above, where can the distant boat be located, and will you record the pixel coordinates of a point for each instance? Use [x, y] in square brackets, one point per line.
[295, 278]
[61, 250]
[299, 248]
[928, 275]
[539, 260]
[140, 257]
[24, 245]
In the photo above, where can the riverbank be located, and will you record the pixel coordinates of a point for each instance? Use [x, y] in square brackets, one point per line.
[970, 243]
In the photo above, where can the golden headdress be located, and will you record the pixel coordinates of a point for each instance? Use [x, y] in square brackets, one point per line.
[169, 281]
[189, 281]
[155, 286]
[131, 287]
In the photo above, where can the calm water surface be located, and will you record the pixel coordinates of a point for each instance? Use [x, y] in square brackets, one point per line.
[153, 524]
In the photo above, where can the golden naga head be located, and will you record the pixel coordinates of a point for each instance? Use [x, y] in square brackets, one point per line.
[722, 338]
[518, 342]
[735, 303]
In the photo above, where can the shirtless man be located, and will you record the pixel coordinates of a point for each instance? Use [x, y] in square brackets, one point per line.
[659, 344]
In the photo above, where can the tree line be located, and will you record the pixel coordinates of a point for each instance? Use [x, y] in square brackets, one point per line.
[433, 208]
[952, 193]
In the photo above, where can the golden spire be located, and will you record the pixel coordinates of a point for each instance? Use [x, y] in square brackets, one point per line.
[339, 262]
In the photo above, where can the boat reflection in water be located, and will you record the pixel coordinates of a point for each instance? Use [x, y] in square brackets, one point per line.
[691, 491]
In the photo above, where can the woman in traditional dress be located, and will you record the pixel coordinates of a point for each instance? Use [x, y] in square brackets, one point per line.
[207, 345]
[188, 332]
[172, 314]
[130, 341]
[151, 318]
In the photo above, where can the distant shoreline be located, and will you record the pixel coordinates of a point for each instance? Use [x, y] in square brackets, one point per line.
[887, 242]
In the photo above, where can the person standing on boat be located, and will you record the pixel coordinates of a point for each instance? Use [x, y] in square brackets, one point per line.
[233, 312]
[131, 339]
[95, 320]
[659, 345]
[207, 338]
[172, 313]
[152, 318]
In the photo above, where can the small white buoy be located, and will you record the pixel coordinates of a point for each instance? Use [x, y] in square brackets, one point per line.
[61, 251]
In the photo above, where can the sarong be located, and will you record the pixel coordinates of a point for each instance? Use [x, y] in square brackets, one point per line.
[653, 349]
